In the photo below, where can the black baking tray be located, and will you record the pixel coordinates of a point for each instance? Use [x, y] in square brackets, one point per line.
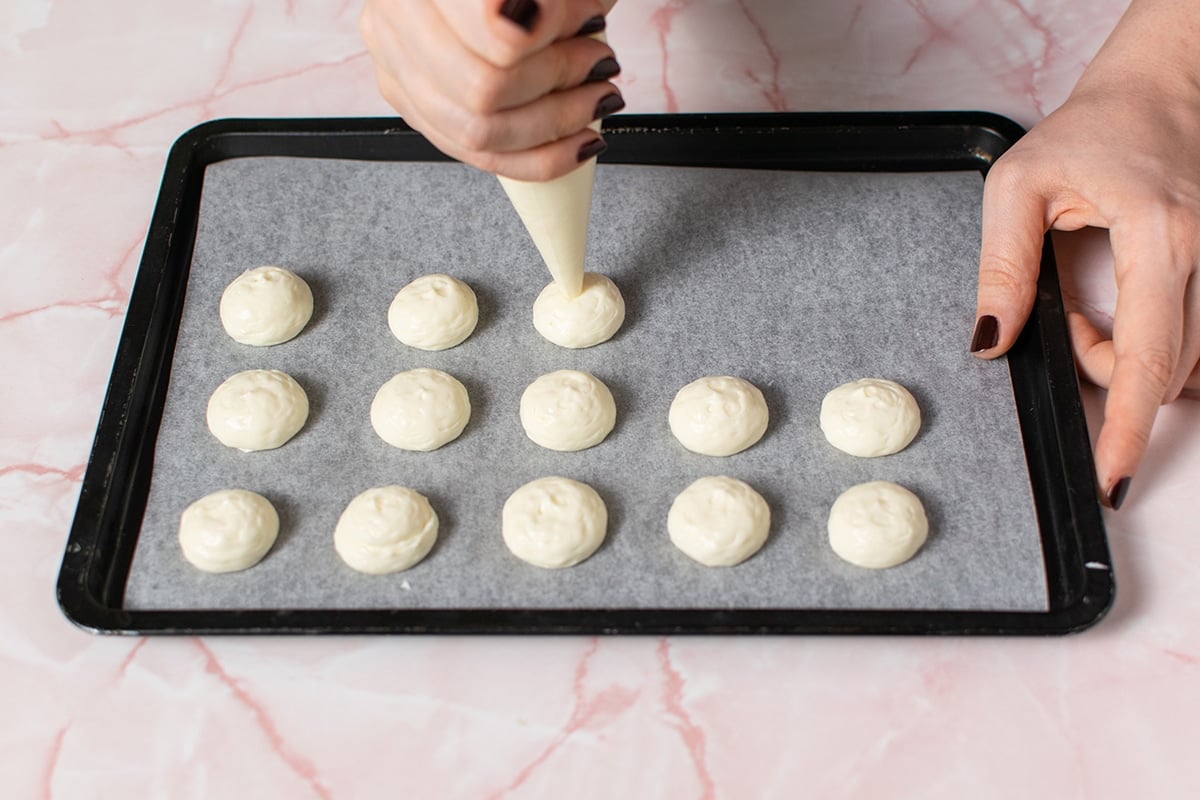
[101, 544]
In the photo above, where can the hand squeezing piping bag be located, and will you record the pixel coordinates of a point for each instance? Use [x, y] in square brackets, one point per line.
[556, 213]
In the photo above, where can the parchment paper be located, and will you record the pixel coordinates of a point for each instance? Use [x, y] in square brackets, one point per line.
[795, 281]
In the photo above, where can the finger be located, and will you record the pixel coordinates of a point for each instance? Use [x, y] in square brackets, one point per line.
[1014, 224]
[536, 164]
[548, 119]
[504, 32]
[1189, 350]
[1147, 338]
[482, 87]
[1093, 350]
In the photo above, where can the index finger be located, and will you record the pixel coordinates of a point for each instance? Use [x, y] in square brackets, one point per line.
[503, 32]
[1147, 337]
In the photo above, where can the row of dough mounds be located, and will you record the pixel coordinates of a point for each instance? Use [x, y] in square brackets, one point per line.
[550, 522]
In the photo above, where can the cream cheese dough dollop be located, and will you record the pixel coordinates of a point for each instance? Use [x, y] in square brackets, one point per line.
[434, 312]
[421, 409]
[259, 409]
[554, 522]
[870, 417]
[568, 410]
[265, 306]
[386, 529]
[585, 320]
[718, 415]
[877, 525]
[228, 531]
[719, 521]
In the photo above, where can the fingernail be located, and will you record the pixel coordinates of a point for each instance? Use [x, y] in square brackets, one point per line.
[605, 68]
[1116, 495]
[609, 104]
[593, 25]
[593, 148]
[521, 12]
[987, 334]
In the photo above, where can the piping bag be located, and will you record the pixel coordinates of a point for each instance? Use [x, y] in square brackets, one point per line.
[556, 214]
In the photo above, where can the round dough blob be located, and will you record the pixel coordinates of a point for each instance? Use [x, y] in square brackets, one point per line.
[421, 409]
[568, 410]
[385, 529]
[265, 306]
[589, 319]
[259, 409]
[554, 522]
[718, 415]
[434, 312]
[228, 531]
[719, 521]
[870, 417]
[877, 525]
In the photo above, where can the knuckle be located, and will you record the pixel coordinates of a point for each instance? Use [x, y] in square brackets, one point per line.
[998, 273]
[483, 90]
[478, 132]
[1157, 364]
[1009, 171]
[542, 167]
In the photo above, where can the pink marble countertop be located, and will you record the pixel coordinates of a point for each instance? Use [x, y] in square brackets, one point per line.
[91, 97]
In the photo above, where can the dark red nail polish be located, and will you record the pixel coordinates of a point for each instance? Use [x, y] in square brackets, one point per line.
[593, 148]
[593, 25]
[1116, 495]
[609, 104]
[605, 68]
[523, 13]
[987, 334]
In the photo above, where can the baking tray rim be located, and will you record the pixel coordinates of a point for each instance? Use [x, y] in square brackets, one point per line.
[100, 545]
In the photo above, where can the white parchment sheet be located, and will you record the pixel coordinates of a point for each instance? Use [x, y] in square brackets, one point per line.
[795, 281]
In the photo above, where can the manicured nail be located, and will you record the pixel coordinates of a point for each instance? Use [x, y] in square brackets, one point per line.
[1116, 495]
[605, 68]
[987, 334]
[522, 12]
[609, 104]
[593, 25]
[593, 148]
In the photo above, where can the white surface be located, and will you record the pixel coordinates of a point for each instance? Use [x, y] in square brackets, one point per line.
[420, 409]
[385, 529]
[554, 522]
[265, 306]
[586, 320]
[718, 415]
[568, 410]
[719, 521]
[228, 530]
[877, 525]
[257, 409]
[870, 417]
[433, 312]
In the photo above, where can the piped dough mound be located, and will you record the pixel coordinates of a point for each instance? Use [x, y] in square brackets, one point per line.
[421, 409]
[554, 522]
[583, 321]
[568, 410]
[719, 521]
[434, 312]
[259, 409]
[228, 531]
[386, 529]
[877, 525]
[870, 417]
[718, 415]
[265, 306]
